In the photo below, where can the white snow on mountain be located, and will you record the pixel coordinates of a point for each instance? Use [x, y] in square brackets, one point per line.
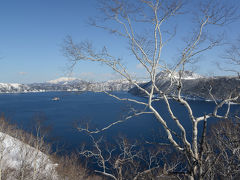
[61, 80]
[10, 85]
[187, 75]
[13, 87]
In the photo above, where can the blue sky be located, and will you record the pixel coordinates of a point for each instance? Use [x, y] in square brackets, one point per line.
[32, 31]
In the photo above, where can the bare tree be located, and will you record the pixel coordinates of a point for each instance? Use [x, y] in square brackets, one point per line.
[154, 16]
[224, 146]
[232, 56]
[130, 160]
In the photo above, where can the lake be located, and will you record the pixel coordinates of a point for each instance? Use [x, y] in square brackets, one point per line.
[99, 109]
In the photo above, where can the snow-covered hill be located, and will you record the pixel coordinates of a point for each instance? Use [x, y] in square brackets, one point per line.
[18, 158]
[13, 87]
[193, 85]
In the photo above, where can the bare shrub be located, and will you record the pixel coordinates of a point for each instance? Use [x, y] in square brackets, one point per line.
[125, 159]
[224, 145]
[69, 167]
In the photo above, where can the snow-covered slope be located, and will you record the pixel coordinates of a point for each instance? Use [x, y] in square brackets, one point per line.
[18, 156]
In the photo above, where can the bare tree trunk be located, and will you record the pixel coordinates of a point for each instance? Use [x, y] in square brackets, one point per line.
[147, 50]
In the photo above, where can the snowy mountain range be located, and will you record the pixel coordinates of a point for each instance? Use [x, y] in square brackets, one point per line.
[193, 85]
[13, 87]
[66, 84]
[74, 84]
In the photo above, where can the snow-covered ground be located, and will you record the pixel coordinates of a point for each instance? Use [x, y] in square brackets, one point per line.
[17, 158]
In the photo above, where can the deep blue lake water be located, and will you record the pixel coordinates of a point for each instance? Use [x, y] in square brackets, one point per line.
[98, 108]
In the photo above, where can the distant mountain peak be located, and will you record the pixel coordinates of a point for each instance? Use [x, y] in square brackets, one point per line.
[62, 79]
